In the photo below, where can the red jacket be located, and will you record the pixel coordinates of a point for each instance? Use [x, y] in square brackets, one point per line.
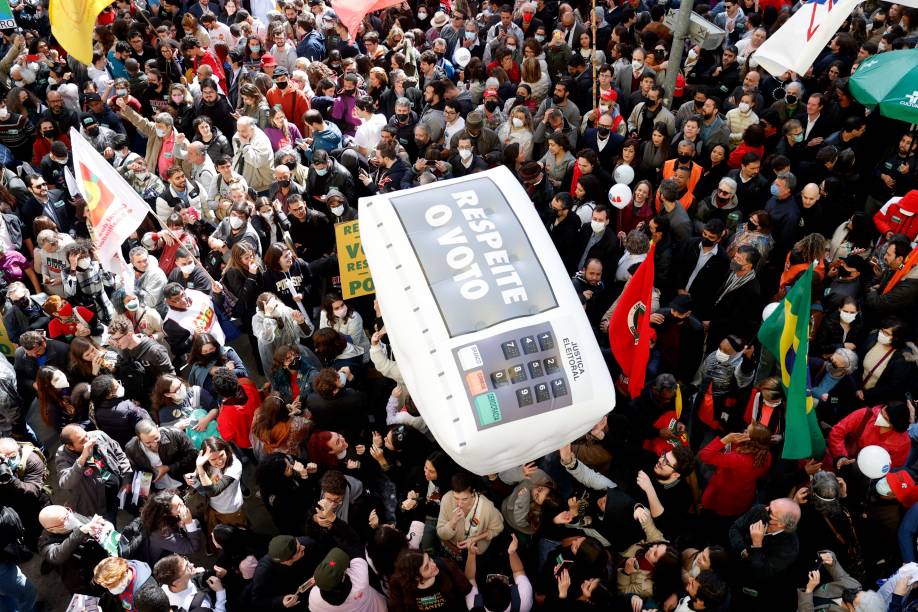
[899, 217]
[731, 490]
[235, 421]
[293, 102]
[211, 60]
[847, 438]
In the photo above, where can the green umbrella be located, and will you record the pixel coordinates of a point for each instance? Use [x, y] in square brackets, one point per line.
[889, 80]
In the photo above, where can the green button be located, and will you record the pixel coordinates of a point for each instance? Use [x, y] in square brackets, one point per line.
[488, 409]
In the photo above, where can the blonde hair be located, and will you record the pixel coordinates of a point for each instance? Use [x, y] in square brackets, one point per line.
[109, 572]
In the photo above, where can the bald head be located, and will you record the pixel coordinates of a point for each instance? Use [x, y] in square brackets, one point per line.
[8, 446]
[196, 152]
[785, 514]
[810, 195]
[53, 518]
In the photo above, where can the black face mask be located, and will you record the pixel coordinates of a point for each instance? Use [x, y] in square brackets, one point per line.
[683, 158]
[557, 99]
[283, 183]
[92, 131]
[603, 131]
[420, 144]
[48, 134]
[281, 84]
[708, 243]
[790, 99]
[751, 227]
[490, 105]
[521, 99]
[23, 302]
[402, 117]
[295, 364]
[698, 104]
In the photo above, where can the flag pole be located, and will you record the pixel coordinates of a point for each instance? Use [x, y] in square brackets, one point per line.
[593, 64]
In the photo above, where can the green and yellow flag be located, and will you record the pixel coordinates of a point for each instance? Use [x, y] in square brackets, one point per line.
[73, 22]
[786, 335]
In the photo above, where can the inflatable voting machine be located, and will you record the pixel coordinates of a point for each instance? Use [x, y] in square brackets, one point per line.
[490, 337]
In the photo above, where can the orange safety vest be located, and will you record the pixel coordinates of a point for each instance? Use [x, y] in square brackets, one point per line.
[669, 169]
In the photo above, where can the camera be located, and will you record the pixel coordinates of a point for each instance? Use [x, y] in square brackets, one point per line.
[6, 473]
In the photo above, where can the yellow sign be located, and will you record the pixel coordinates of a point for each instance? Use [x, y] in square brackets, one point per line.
[7, 348]
[352, 263]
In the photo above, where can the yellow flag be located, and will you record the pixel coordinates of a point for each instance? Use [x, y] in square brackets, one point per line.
[72, 23]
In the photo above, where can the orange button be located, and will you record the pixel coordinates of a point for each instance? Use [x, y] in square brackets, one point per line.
[476, 382]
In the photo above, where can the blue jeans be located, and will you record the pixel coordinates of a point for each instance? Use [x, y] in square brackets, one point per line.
[17, 593]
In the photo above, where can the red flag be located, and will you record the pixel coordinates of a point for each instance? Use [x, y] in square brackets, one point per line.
[352, 12]
[629, 327]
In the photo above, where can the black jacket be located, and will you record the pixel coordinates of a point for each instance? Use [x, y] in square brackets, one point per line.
[176, 451]
[739, 312]
[566, 238]
[117, 417]
[709, 278]
[608, 250]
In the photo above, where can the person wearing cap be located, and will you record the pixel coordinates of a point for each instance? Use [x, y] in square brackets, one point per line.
[289, 563]
[145, 183]
[343, 583]
[291, 99]
[484, 139]
[103, 113]
[99, 136]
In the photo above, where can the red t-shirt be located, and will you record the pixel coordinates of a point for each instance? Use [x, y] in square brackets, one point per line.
[235, 421]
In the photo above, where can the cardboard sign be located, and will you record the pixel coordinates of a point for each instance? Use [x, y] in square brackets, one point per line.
[352, 262]
[7, 348]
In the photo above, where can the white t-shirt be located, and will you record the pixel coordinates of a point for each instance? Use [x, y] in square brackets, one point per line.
[183, 598]
[166, 482]
[230, 500]
[367, 134]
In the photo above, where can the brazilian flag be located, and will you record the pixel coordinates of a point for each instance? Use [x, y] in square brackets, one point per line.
[785, 334]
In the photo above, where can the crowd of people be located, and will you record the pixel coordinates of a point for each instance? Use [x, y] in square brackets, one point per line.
[145, 424]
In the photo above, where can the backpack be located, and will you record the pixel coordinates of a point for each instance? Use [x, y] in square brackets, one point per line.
[203, 595]
[132, 375]
[26, 449]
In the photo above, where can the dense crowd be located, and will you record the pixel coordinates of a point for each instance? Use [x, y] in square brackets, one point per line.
[144, 425]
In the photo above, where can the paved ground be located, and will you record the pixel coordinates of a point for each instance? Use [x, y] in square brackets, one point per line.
[50, 589]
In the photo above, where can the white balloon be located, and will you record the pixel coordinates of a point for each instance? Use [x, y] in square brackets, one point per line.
[623, 174]
[769, 309]
[620, 195]
[873, 461]
[463, 56]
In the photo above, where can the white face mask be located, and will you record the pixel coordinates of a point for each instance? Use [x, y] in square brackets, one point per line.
[597, 226]
[187, 269]
[59, 381]
[119, 588]
[72, 522]
[743, 107]
[161, 133]
[848, 317]
[340, 312]
[83, 263]
[517, 122]
[465, 154]
[721, 356]
[692, 55]
[132, 305]
[636, 65]
[422, 15]
[119, 392]
[268, 215]
[141, 175]
[4, 113]
[883, 338]
[882, 421]
[181, 394]
[236, 222]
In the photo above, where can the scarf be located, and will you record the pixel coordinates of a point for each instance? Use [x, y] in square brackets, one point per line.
[902, 272]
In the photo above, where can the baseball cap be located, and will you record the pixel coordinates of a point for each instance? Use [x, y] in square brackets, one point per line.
[282, 548]
[681, 303]
[87, 120]
[331, 570]
[93, 97]
[268, 60]
[280, 71]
